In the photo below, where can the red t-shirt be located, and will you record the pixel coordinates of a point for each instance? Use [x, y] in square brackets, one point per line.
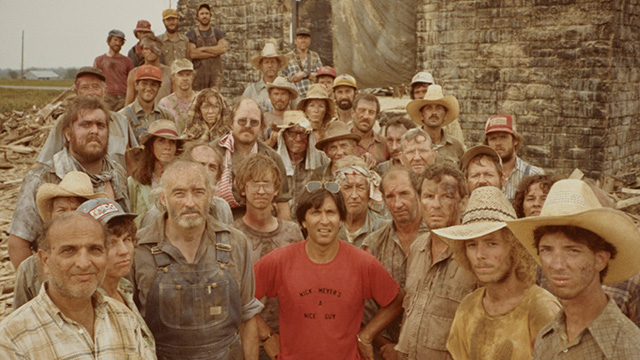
[115, 70]
[321, 305]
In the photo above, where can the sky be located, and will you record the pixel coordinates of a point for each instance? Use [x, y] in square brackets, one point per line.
[70, 33]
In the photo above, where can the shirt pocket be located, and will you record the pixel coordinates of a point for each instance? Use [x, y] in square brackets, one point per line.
[194, 306]
[445, 302]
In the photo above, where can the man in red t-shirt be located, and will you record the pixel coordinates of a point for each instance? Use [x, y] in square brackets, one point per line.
[115, 68]
[321, 284]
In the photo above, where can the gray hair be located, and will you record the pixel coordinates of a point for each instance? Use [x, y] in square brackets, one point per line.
[175, 169]
[414, 134]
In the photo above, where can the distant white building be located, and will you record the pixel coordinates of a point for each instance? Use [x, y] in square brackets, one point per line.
[41, 75]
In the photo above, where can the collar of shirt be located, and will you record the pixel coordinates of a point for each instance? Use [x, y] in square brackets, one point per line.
[47, 306]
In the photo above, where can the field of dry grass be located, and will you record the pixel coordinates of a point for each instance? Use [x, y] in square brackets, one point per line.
[22, 99]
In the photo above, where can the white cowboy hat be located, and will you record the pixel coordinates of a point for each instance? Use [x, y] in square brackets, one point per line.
[434, 95]
[74, 184]
[269, 51]
[571, 202]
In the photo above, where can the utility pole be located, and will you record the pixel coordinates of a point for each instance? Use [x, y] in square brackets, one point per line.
[22, 58]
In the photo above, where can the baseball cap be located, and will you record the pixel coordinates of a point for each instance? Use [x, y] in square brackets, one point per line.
[149, 72]
[104, 210]
[181, 65]
[169, 13]
[303, 31]
[327, 71]
[142, 25]
[204, 4]
[116, 33]
[345, 79]
[497, 123]
[89, 70]
[423, 77]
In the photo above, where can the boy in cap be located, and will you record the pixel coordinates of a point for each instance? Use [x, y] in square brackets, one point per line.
[581, 245]
[174, 45]
[501, 319]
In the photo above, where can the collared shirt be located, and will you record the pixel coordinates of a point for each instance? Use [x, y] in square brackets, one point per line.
[174, 49]
[434, 291]
[310, 64]
[626, 294]
[178, 108]
[139, 120]
[384, 166]
[372, 223]
[521, 169]
[144, 267]
[609, 336]
[377, 148]
[450, 150]
[258, 92]
[26, 222]
[39, 330]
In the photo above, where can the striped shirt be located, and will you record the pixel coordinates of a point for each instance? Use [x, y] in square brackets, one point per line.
[39, 330]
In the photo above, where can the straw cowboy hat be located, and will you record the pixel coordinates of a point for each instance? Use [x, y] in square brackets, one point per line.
[487, 210]
[282, 83]
[336, 130]
[269, 51]
[571, 202]
[318, 92]
[293, 118]
[74, 184]
[162, 128]
[434, 95]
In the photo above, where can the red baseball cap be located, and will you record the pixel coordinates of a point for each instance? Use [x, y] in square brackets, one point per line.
[327, 70]
[149, 72]
[499, 123]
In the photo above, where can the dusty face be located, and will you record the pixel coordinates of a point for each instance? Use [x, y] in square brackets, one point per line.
[503, 143]
[280, 98]
[401, 199]
[63, 204]
[344, 96]
[119, 255]
[441, 203]
[533, 200]
[186, 198]
[482, 172]
[316, 110]
[171, 24]
[147, 90]
[211, 110]
[88, 136]
[302, 42]
[208, 158]
[246, 123]
[323, 223]
[89, 85]
[269, 67]
[203, 16]
[115, 43]
[164, 149]
[327, 82]
[420, 91]
[260, 191]
[296, 139]
[150, 53]
[366, 114]
[394, 136]
[355, 191]
[417, 154]
[433, 115]
[338, 149]
[183, 80]
[76, 260]
[571, 268]
[490, 257]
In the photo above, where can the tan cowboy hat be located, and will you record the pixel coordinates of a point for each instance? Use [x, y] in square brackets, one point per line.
[478, 150]
[434, 95]
[571, 202]
[282, 83]
[295, 117]
[487, 210]
[74, 184]
[269, 51]
[336, 130]
[318, 92]
[162, 128]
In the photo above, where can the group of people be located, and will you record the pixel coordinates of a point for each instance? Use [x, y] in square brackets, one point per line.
[293, 224]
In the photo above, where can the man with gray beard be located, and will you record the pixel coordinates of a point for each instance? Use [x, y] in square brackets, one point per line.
[193, 276]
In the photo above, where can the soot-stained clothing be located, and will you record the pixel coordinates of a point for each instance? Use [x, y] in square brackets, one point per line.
[322, 304]
[478, 335]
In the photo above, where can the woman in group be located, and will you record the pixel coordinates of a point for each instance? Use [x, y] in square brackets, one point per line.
[319, 108]
[531, 194]
[162, 142]
[207, 118]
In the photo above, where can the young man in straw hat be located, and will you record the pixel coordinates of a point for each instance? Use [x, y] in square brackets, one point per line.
[509, 310]
[270, 63]
[482, 166]
[282, 96]
[435, 283]
[581, 245]
[433, 112]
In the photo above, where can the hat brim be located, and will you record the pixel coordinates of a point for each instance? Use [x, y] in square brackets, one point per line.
[612, 225]
[47, 192]
[449, 102]
[145, 137]
[293, 91]
[255, 60]
[468, 231]
[322, 143]
[475, 151]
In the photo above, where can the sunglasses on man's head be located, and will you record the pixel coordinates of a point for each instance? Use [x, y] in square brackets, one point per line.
[330, 186]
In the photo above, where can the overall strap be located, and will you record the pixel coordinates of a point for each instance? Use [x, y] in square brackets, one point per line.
[161, 258]
[223, 247]
[133, 115]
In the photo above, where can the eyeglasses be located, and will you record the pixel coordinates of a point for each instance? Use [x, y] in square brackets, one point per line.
[243, 122]
[267, 186]
[294, 134]
[330, 186]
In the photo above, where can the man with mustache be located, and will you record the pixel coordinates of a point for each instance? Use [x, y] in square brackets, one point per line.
[192, 276]
[269, 62]
[367, 109]
[174, 45]
[345, 90]
[500, 133]
[86, 133]
[433, 112]
[281, 94]
[115, 67]
[206, 45]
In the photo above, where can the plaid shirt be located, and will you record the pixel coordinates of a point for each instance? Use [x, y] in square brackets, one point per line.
[39, 330]
[609, 336]
[626, 294]
[311, 64]
[519, 172]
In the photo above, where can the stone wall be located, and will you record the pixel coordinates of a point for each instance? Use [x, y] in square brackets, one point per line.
[566, 69]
